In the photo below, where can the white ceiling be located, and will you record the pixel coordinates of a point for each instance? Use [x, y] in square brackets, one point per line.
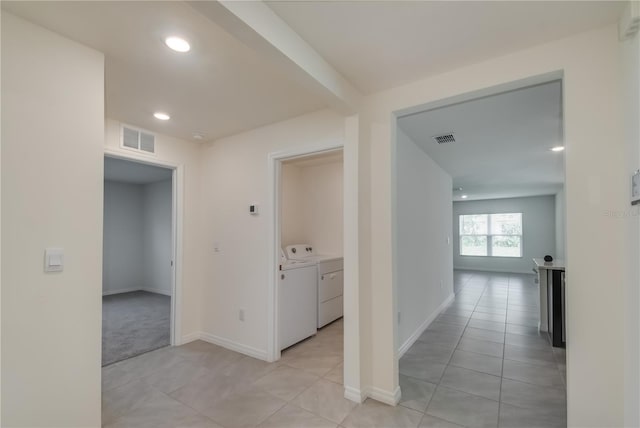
[503, 142]
[219, 88]
[133, 172]
[223, 87]
[382, 44]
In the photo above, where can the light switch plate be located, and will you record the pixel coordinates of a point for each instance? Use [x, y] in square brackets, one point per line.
[53, 260]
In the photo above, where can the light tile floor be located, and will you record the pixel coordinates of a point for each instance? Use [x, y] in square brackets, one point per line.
[481, 363]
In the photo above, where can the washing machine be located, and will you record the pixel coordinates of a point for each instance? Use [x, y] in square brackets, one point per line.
[330, 281]
[297, 297]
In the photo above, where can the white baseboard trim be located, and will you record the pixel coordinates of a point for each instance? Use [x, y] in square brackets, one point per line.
[530, 272]
[121, 290]
[416, 334]
[391, 398]
[191, 337]
[354, 394]
[156, 291]
[235, 346]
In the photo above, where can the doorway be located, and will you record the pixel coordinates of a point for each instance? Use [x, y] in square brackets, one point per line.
[478, 177]
[138, 259]
[308, 213]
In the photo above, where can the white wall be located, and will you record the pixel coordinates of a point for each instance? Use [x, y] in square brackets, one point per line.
[538, 232]
[596, 182]
[322, 206]
[137, 237]
[630, 78]
[424, 270]
[122, 245]
[52, 137]
[560, 215]
[189, 269]
[292, 228]
[235, 175]
[156, 237]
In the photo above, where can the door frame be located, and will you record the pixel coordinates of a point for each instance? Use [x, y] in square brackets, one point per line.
[177, 204]
[275, 160]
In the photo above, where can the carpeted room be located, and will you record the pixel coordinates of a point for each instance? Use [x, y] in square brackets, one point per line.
[137, 254]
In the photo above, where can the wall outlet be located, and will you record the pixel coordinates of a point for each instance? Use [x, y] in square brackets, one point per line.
[241, 314]
[216, 246]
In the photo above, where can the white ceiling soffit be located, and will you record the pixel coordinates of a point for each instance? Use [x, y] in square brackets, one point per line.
[503, 142]
[134, 173]
[221, 87]
[377, 45]
[333, 156]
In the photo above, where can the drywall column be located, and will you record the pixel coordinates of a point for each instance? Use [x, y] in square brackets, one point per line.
[52, 138]
[630, 61]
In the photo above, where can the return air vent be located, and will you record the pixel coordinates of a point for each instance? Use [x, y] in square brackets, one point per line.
[138, 140]
[443, 139]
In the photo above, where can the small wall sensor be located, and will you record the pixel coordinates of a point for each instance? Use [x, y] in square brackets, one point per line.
[253, 209]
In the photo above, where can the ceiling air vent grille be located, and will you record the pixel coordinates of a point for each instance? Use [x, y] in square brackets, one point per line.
[443, 139]
[138, 140]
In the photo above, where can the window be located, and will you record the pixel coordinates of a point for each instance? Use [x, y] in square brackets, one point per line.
[491, 235]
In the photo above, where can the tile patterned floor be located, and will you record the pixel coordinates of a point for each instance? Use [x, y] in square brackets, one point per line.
[481, 363]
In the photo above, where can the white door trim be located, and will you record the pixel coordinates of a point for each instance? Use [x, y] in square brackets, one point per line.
[275, 163]
[177, 204]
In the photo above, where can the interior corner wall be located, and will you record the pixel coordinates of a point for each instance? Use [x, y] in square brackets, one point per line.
[424, 262]
[630, 77]
[235, 175]
[323, 207]
[291, 203]
[156, 237]
[561, 214]
[52, 163]
[122, 246]
[189, 267]
[538, 232]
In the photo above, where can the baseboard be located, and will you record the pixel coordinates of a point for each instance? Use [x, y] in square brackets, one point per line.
[355, 394]
[121, 290]
[191, 337]
[530, 272]
[153, 290]
[387, 397]
[235, 346]
[418, 332]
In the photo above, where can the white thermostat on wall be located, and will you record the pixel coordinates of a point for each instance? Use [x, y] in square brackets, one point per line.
[253, 209]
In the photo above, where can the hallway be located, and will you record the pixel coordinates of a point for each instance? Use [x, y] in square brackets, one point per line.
[483, 363]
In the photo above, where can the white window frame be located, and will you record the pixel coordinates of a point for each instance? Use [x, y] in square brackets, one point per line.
[490, 236]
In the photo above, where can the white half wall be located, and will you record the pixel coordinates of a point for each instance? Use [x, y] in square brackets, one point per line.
[156, 237]
[122, 245]
[424, 263]
[52, 163]
[538, 232]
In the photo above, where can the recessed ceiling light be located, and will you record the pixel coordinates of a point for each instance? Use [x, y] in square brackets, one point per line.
[464, 196]
[161, 116]
[177, 44]
[198, 136]
[557, 149]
